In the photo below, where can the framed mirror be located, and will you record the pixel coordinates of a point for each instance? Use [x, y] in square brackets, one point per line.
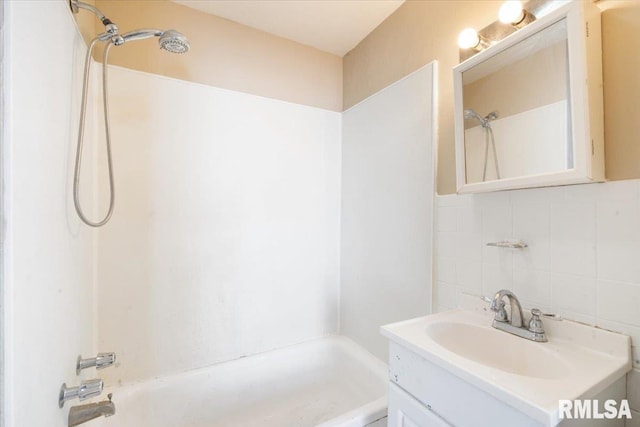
[528, 109]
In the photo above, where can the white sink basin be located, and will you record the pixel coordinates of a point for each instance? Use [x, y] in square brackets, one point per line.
[497, 349]
[577, 362]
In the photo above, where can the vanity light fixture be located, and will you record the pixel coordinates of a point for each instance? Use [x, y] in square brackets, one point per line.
[470, 39]
[512, 13]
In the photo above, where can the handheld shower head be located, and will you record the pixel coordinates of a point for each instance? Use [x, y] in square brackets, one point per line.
[174, 42]
[471, 114]
[170, 40]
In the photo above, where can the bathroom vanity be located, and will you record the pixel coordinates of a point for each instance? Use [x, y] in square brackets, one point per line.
[454, 368]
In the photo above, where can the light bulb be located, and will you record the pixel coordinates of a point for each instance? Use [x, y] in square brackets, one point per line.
[468, 38]
[511, 12]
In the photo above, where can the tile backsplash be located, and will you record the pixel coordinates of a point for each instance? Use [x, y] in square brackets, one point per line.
[582, 259]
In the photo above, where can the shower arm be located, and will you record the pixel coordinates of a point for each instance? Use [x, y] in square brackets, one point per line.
[111, 28]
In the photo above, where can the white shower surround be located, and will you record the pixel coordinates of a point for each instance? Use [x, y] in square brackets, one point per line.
[225, 237]
[47, 278]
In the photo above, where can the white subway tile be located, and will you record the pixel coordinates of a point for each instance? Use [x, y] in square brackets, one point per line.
[466, 199]
[495, 255]
[470, 219]
[538, 195]
[622, 328]
[582, 192]
[446, 246]
[496, 277]
[573, 221]
[619, 302]
[532, 224]
[533, 285]
[576, 317]
[448, 200]
[633, 389]
[573, 294]
[493, 198]
[619, 220]
[468, 247]
[445, 296]
[528, 304]
[532, 219]
[619, 261]
[469, 276]
[497, 223]
[573, 257]
[446, 271]
[619, 190]
[447, 218]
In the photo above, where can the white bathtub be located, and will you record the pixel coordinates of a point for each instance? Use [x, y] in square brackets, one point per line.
[328, 382]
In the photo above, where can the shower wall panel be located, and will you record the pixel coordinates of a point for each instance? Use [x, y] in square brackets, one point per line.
[387, 209]
[48, 254]
[225, 236]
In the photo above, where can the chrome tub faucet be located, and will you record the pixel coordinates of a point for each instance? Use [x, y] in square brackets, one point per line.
[83, 413]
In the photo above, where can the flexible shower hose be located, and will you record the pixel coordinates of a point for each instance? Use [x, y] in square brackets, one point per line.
[489, 138]
[83, 113]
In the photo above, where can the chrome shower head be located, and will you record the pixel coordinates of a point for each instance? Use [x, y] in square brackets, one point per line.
[174, 42]
[170, 40]
[471, 114]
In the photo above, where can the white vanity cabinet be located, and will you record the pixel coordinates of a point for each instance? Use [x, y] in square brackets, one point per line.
[422, 394]
[454, 369]
[406, 411]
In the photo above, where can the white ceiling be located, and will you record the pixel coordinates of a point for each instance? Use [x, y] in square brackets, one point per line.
[334, 26]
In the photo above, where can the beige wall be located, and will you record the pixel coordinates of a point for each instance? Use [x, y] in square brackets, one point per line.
[223, 54]
[417, 33]
[232, 56]
[423, 31]
[534, 81]
[87, 22]
[621, 58]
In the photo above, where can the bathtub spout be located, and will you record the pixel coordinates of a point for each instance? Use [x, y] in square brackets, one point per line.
[83, 413]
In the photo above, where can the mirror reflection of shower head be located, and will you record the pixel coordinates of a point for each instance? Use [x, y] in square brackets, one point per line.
[470, 114]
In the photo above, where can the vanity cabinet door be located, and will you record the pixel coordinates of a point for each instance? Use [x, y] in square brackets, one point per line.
[405, 411]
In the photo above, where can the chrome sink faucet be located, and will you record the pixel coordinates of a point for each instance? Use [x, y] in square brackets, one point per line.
[514, 323]
[497, 306]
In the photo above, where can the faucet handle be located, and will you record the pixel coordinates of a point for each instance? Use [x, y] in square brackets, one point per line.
[86, 390]
[101, 361]
[535, 324]
[497, 306]
[90, 388]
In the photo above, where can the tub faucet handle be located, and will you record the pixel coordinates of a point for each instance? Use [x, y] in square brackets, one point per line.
[101, 361]
[86, 390]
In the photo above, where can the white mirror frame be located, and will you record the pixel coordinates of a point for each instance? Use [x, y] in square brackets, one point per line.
[585, 100]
